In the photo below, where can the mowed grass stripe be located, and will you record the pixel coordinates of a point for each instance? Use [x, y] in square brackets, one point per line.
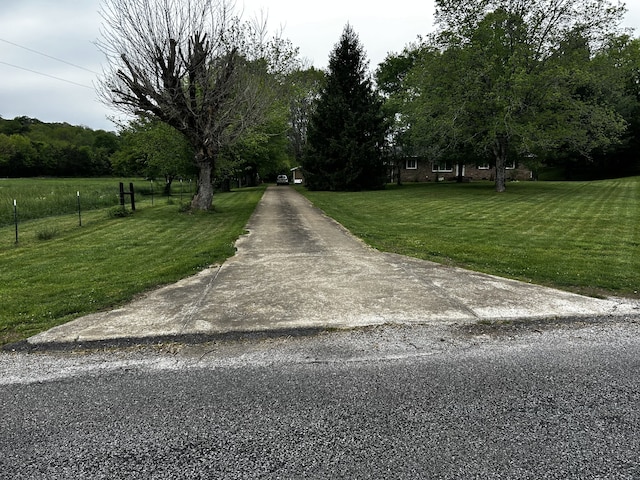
[110, 260]
[578, 236]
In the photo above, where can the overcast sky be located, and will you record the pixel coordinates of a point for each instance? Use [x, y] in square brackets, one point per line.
[38, 36]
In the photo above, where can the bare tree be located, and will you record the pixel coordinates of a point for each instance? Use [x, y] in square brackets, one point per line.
[195, 65]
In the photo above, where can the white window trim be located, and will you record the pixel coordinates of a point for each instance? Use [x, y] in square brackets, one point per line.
[414, 163]
[436, 168]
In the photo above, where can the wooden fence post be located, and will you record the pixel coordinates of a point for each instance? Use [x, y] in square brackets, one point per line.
[133, 198]
[130, 193]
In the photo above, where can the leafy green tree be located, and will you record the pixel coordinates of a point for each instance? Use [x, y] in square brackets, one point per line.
[154, 149]
[261, 153]
[617, 67]
[346, 132]
[19, 125]
[304, 86]
[390, 80]
[105, 144]
[18, 156]
[503, 78]
[7, 151]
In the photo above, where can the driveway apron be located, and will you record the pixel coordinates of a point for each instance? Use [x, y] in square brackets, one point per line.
[297, 268]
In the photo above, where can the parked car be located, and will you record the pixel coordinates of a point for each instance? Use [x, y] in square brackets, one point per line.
[282, 180]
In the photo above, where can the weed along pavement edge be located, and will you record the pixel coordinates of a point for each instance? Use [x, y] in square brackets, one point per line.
[297, 269]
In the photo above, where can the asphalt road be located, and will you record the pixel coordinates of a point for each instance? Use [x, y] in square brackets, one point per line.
[441, 402]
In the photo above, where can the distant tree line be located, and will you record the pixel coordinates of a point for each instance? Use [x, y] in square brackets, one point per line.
[143, 147]
[29, 147]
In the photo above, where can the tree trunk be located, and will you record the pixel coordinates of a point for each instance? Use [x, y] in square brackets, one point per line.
[204, 193]
[168, 179]
[224, 185]
[500, 153]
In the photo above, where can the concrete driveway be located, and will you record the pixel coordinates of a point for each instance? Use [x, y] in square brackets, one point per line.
[298, 269]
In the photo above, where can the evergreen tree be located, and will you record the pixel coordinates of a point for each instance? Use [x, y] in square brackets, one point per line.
[347, 128]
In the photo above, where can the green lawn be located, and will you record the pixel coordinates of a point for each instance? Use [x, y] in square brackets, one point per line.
[578, 236]
[109, 260]
[581, 237]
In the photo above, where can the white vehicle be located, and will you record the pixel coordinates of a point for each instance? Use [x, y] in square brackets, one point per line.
[282, 180]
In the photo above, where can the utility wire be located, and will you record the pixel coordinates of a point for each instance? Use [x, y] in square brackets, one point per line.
[46, 75]
[48, 56]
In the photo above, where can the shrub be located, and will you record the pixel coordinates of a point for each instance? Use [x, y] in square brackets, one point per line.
[118, 212]
[47, 233]
[184, 208]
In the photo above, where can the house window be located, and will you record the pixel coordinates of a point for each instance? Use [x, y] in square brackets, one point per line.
[510, 165]
[484, 166]
[442, 167]
[412, 164]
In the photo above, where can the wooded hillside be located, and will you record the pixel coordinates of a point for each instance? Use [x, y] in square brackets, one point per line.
[29, 147]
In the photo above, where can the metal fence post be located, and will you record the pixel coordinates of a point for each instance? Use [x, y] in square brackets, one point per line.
[79, 214]
[15, 216]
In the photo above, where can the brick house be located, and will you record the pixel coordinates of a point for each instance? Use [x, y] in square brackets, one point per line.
[419, 169]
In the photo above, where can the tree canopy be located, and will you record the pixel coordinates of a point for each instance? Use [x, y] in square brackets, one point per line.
[505, 78]
[304, 88]
[153, 149]
[29, 147]
[196, 66]
[346, 131]
[551, 82]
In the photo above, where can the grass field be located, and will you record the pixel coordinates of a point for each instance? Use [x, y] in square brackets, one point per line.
[48, 280]
[37, 198]
[583, 237]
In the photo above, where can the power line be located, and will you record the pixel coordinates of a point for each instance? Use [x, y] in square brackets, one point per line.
[46, 75]
[48, 56]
